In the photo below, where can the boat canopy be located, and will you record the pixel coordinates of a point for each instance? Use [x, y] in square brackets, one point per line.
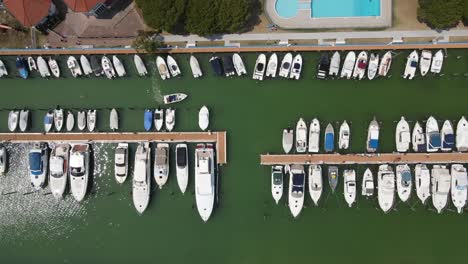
[277, 178]
[329, 141]
[181, 154]
[35, 163]
[434, 140]
[449, 141]
[406, 176]
[148, 119]
[298, 182]
[414, 64]
[374, 143]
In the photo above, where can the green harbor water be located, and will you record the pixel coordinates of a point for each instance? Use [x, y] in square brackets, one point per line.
[247, 226]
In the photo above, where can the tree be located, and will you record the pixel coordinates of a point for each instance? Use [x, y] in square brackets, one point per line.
[233, 15]
[164, 15]
[440, 14]
[201, 17]
[148, 41]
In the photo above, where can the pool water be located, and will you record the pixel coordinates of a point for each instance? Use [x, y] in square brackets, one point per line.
[328, 8]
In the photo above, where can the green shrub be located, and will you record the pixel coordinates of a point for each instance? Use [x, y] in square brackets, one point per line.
[440, 14]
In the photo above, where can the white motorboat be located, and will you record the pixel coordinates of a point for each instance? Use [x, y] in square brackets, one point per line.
[162, 68]
[195, 66]
[348, 65]
[119, 67]
[296, 189]
[43, 67]
[447, 136]
[170, 119]
[32, 64]
[13, 119]
[462, 135]
[385, 63]
[301, 136]
[260, 66]
[74, 66]
[174, 98]
[203, 118]
[422, 180]
[315, 183]
[425, 63]
[296, 67]
[58, 119]
[205, 180]
[277, 176]
[437, 62]
[58, 174]
[433, 140]
[349, 177]
[54, 67]
[141, 183]
[3, 160]
[288, 140]
[161, 164]
[360, 65]
[107, 67]
[172, 65]
[314, 136]
[91, 119]
[238, 64]
[335, 64]
[345, 132]
[182, 166]
[86, 65]
[418, 138]
[121, 162]
[70, 121]
[158, 119]
[114, 120]
[441, 182]
[286, 64]
[367, 183]
[79, 170]
[3, 69]
[81, 118]
[386, 187]
[402, 135]
[272, 66]
[24, 120]
[48, 121]
[373, 136]
[458, 187]
[404, 182]
[140, 65]
[411, 65]
[38, 162]
[373, 66]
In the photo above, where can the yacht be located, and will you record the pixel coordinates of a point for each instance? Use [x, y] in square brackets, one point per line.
[238, 64]
[217, 66]
[360, 65]
[3, 160]
[91, 119]
[174, 98]
[385, 64]
[425, 63]
[404, 182]
[285, 67]
[272, 66]
[323, 66]
[170, 119]
[38, 163]
[329, 139]
[162, 68]
[43, 68]
[161, 164]
[301, 136]
[411, 65]
[447, 136]
[114, 120]
[58, 119]
[296, 67]
[458, 187]
[96, 66]
[437, 62]
[119, 67]
[441, 182]
[373, 66]
[288, 139]
[22, 67]
[172, 65]
[58, 172]
[259, 69]
[433, 140]
[277, 176]
[418, 138]
[32, 64]
[335, 64]
[79, 170]
[195, 66]
[205, 180]
[296, 189]
[24, 120]
[348, 66]
[13, 119]
[314, 136]
[107, 67]
[121, 162]
[333, 177]
[402, 135]
[158, 119]
[74, 67]
[81, 120]
[141, 183]
[48, 121]
[386, 187]
[54, 67]
[86, 65]
[148, 119]
[182, 166]
[315, 183]
[349, 177]
[373, 136]
[203, 118]
[70, 121]
[140, 65]
[229, 69]
[422, 180]
[462, 135]
[367, 183]
[343, 141]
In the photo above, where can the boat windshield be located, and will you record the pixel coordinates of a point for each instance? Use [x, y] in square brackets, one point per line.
[286, 65]
[260, 67]
[297, 66]
[434, 140]
[181, 157]
[277, 178]
[77, 171]
[298, 182]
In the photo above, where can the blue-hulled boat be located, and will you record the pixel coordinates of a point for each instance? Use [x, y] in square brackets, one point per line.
[22, 67]
[433, 139]
[217, 65]
[329, 138]
[447, 135]
[148, 119]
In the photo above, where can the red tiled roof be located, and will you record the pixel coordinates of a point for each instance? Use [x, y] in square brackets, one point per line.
[28, 12]
[82, 5]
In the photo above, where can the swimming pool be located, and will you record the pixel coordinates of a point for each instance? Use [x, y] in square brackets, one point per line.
[328, 8]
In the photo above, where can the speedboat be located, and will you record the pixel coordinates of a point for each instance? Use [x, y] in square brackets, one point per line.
[288, 139]
[367, 183]
[360, 66]
[433, 140]
[158, 119]
[425, 63]
[323, 66]
[422, 180]
[296, 67]
[3, 70]
[462, 135]
[301, 136]
[419, 138]
[114, 120]
[447, 136]
[121, 162]
[172, 65]
[58, 119]
[43, 67]
[373, 66]
[349, 177]
[314, 136]
[386, 187]
[107, 67]
[259, 69]
[91, 119]
[182, 167]
[458, 187]
[286, 65]
[74, 66]
[22, 67]
[403, 183]
[81, 118]
[96, 66]
[217, 66]
[86, 65]
[174, 98]
[272, 66]
[119, 67]
[24, 120]
[315, 183]
[238, 64]
[277, 176]
[38, 162]
[203, 118]
[195, 66]
[141, 183]
[48, 121]
[385, 63]
[411, 65]
[58, 174]
[229, 69]
[3, 160]
[441, 182]
[333, 177]
[140, 65]
[348, 65]
[162, 68]
[296, 189]
[373, 136]
[170, 119]
[437, 62]
[148, 119]
[70, 121]
[335, 64]
[343, 140]
[205, 180]
[402, 135]
[54, 68]
[32, 64]
[79, 170]
[13, 119]
[329, 138]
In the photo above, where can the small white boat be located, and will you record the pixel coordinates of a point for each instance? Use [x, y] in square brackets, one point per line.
[373, 136]
[373, 66]
[172, 65]
[272, 66]
[13, 119]
[288, 140]
[349, 177]
[277, 176]
[54, 68]
[296, 67]
[404, 182]
[425, 63]
[107, 67]
[367, 183]
[114, 120]
[348, 65]
[422, 180]
[170, 119]
[3, 160]
[38, 163]
[385, 63]
[205, 180]
[58, 173]
[286, 64]
[24, 120]
[315, 183]
[174, 98]
[360, 65]
[418, 138]
[141, 183]
[433, 140]
[74, 67]
[462, 135]
[203, 118]
[386, 187]
[81, 118]
[195, 66]
[458, 187]
[296, 189]
[260, 66]
[86, 65]
[48, 121]
[437, 62]
[70, 121]
[140, 65]
[162, 68]
[314, 136]
[238, 64]
[345, 132]
[91, 119]
[182, 166]
[158, 119]
[411, 65]
[121, 162]
[43, 67]
[3, 70]
[447, 136]
[441, 182]
[335, 64]
[402, 135]
[32, 64]
[79, 171]
[58, 119]
[119, 67]
[301, 136]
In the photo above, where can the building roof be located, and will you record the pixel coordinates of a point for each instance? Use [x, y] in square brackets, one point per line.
[28, 12]
[82, 5]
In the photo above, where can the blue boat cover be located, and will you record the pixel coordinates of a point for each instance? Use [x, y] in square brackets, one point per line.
[35, 163]
[374, 143]
[422, 148]
[449, 141]
[434, 140]
[329, 142]
[48, 119]
[148, 120]
[298, 182]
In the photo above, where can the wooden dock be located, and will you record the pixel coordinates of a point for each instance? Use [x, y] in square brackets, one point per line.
[219, 138]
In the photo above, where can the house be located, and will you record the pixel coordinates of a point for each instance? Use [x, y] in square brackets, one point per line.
[41, 14]
[96, 8]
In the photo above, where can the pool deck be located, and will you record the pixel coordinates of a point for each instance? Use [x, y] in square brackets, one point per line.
[304, 19]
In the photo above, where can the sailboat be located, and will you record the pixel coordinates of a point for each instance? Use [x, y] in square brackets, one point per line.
[335, 64]
[323, 66]
[119, 67]
[447, 135]
[259, 69]
[404, 182]
[195, 66]
[205, 180]
[38, 164]
[182, 166]
[79, 171]
[162, 68]
[367, 183]
[437, 62]
[141, 183]
[386, 187]
[314, 136]
[385, 63]
[272, 66]
[418, 138]
[373, 136]
[433, 140]
[425, 63]
[277, 176]
[296, 67]
[238, 64]
[459, 186]
[360, 66]
[58, 173]
[140, 65]
[329, 138]
[121, 162]
[172, 65]
[462, 135]
[373, 66]
[441, 182]
[54, 67]
[343, 141]
[286, 65]
[296, 189]
[422, 181]
[315, 183]
[411, 65]
[74, 66]
[288, 140]
[301, 136]
[161, 164]
[86, 65]
[402, 135]
[348, 66]
[349, 177]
